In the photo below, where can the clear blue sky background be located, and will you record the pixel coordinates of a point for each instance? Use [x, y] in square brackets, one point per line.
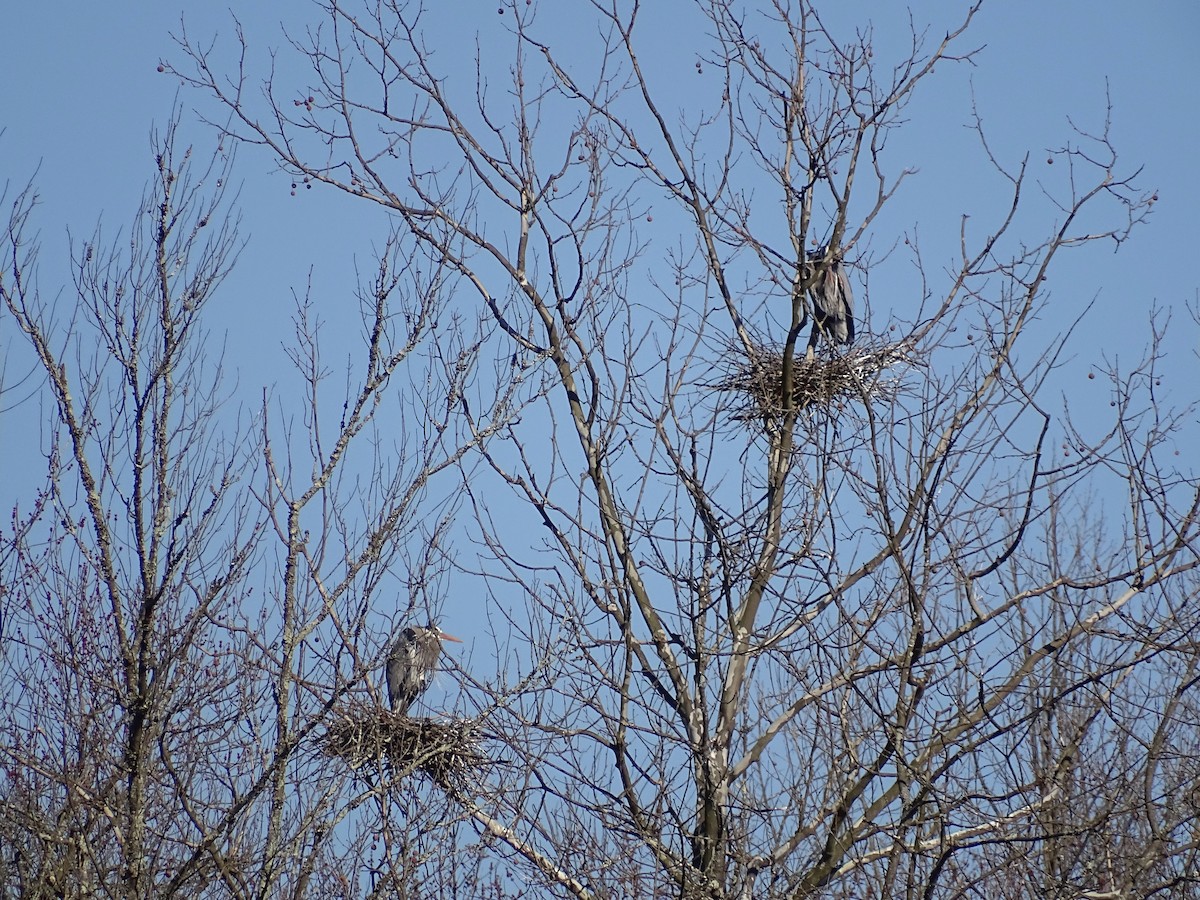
[79, 94]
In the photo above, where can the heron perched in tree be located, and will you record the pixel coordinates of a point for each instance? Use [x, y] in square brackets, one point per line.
[833, 301]
[411, 662]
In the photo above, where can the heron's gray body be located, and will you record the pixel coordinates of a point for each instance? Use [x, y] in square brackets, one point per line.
[411, 664]
[832, 299]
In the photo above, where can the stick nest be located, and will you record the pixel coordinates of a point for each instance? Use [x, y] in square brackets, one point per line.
[824, 380]
[443, 750]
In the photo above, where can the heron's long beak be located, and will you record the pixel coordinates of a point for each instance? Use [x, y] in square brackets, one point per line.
[450, 637]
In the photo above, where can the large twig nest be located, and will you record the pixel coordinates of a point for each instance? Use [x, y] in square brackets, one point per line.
[443, 750]
[824, 380]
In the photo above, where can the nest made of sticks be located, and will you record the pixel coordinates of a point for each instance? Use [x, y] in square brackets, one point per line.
[824, 380]
[443, 750]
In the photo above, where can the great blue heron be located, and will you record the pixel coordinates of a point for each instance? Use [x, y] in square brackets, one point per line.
[411, 662]
[833, 301]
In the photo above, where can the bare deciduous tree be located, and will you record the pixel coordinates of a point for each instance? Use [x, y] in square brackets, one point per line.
[131, 553]
[872, 622]
[195, 596]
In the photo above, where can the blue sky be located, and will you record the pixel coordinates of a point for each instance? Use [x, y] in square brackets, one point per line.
[81, 94]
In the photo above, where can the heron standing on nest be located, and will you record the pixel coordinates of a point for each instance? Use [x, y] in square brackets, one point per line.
[833, 301]
[411, 662]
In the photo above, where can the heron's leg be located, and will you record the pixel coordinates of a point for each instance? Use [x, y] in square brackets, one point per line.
[813, 337]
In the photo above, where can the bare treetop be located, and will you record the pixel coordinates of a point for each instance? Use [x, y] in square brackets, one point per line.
[761, 612]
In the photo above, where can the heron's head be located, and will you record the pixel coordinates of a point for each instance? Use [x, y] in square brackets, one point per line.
[434, 629]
